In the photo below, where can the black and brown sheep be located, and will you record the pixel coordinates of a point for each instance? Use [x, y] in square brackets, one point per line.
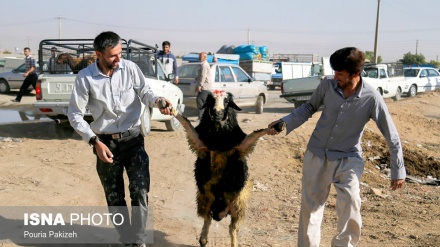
[221, 170]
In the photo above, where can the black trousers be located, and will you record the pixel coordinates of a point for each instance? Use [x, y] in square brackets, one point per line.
[201, 99]
[31, 79]
[129, 154]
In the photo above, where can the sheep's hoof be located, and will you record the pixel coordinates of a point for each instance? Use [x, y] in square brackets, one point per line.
[203, 243]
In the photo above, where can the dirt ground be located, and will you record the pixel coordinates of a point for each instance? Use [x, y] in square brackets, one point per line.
[43, 165]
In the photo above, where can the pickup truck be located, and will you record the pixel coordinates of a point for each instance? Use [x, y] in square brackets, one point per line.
[388, 79]
[53, 90]
[298, 91]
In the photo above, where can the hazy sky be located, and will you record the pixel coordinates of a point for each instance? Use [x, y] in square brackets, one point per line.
[284, 26]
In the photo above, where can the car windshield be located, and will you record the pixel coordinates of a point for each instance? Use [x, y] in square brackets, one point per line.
[371, 72]
[189, 70]
[411, 72]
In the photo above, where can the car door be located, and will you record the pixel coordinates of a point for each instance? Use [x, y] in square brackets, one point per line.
[162, 88]
[249, 93]
[225, 80]
[423, 81]
[434, 78]
[16, 77]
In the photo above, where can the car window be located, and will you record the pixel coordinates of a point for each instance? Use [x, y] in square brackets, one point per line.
[217, 75]
[371, 72]
[382, 73]
[160, 72]
[226, 74]
[241, 76]
[411, 72]
[424, 73]
[21, 69]
[433, 73]
[188, 71]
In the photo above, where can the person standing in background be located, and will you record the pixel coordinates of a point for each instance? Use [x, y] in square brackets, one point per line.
[168, 61]
[30, 74]
[204, 83]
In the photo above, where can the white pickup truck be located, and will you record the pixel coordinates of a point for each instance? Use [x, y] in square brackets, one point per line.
[388, 79]
[299, 90]
[53, 89]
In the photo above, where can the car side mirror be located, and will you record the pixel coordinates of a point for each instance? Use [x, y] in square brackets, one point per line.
[251, 79]
[170, 77]
[422, 76]
[14, 71]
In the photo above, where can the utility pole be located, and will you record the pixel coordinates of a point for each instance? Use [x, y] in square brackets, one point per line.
[377, 31]
[417, 45]
[249, 36]
[59, 26]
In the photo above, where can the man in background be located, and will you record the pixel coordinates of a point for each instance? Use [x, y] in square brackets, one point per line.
[168, 60]
[204, 83]
[30, 75]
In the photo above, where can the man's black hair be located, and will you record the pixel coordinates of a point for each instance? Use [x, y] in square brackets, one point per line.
[350, 59]
[166, 43]
[106, 39]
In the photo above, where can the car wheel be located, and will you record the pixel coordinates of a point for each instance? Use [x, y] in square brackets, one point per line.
[412, 91]
[260, 105]
[172, 124]
[4, 86]
[398, 94]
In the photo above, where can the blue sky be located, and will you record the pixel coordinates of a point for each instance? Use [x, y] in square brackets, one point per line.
[284, 26]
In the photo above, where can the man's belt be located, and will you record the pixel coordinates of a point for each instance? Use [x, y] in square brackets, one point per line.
[131, 132]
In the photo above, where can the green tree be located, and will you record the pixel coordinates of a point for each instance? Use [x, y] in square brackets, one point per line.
[409, 58]
[370, 56]
[7, 52]
[436, 64]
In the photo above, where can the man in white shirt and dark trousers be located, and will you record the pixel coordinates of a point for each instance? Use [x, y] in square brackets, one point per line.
[113, 89]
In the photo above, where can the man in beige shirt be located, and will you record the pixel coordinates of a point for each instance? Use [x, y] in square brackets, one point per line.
[204, 83]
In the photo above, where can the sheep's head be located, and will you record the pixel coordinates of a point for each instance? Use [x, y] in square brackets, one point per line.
[219, 108]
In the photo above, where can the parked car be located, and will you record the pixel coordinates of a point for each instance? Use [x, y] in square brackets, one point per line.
[228, 77]
[420, 79]
[13, 79]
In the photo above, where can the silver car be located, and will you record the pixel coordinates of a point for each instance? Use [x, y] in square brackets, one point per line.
[227, 77]
[13, 79]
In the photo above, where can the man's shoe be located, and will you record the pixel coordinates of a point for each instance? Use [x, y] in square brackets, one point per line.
[14, 100]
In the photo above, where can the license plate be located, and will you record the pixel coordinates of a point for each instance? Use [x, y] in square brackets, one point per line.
[60, 88]
[303, 98]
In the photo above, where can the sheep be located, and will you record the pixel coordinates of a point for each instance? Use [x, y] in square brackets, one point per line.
[221, 170]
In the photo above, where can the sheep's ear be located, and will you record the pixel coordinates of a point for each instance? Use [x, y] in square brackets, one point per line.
[233, 105]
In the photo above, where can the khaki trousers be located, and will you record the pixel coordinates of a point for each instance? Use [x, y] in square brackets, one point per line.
[318, 175]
